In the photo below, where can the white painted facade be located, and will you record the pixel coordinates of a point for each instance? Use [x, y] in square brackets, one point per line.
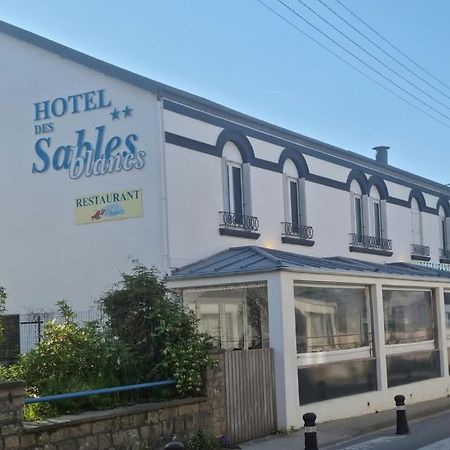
[190, 146]
[46, 256]
[182, 188]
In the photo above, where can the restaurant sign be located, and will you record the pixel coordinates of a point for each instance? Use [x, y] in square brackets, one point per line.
[108, 206]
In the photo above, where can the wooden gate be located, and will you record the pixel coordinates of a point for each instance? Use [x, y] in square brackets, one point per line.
[250, 394]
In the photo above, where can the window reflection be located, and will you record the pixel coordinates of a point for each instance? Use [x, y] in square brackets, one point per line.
[447, 312]
[408, 316]
[331, 318]
[235, 317]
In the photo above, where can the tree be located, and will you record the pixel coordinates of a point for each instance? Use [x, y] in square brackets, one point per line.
[152, 321]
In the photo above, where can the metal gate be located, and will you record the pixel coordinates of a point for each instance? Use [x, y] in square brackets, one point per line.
[250, 394]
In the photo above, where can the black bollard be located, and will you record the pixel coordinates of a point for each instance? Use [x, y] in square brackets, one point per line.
[402, 423]
[174, 445]
[310, 431]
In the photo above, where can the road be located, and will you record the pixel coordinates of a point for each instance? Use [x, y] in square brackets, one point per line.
[432, 433]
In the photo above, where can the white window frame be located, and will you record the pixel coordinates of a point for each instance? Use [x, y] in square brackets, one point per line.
[374, 218]
[301, 199]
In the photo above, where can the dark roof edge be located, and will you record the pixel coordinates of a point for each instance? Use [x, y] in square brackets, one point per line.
[162, 90]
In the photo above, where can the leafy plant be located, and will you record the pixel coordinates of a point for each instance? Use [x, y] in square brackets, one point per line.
[146, 316]
[71, 357]
[202, 440]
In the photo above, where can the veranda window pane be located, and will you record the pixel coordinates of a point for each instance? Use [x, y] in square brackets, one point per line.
[331, 318]
[257, 317]
[447, 312]
[236, 317]
[408, 316]
[210, 320]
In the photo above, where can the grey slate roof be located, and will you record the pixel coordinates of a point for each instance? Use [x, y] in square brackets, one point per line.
[194, 101]
[250, 259]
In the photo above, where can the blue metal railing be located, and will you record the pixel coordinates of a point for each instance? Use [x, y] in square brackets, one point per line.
[130, 387]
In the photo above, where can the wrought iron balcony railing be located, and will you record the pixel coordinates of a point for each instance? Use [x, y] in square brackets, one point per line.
[444, 253]
[296, 230]
[370, 242]
[420, 250]
[241, 221]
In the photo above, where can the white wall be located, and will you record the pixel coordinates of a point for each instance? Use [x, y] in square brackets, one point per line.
[46, 256]
[195, 196]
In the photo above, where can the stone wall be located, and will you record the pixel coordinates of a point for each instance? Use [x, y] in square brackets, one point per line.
[11, 414]
[145, 426]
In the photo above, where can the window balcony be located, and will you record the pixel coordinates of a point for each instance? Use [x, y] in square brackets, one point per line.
[444, 255]
[363, 243]
[238, 225]
[293, 233]
[420, 252]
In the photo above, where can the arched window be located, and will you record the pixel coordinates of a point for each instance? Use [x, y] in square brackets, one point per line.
[233, 180]
[416, 222]
[237, 219]
[368, 210]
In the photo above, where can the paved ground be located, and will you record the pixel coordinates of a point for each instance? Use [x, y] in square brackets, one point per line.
[331, 433]
[425, 434]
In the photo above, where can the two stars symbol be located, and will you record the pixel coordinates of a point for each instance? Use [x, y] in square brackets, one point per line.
[116, 113]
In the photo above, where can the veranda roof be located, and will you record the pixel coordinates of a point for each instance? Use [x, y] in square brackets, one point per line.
[250, 259]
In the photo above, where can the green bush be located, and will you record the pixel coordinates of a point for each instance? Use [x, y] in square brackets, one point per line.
[202, 440]
[147, 317]
[149, 336]
[71, 357]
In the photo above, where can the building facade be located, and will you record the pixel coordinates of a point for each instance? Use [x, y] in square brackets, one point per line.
[101, 166]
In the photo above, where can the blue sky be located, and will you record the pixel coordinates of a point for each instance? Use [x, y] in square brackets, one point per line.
[238, 54]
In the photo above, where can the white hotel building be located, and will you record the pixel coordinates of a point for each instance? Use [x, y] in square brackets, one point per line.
[273, 237]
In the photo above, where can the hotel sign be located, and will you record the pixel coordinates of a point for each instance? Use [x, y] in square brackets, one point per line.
[92, 151]
[108, 206]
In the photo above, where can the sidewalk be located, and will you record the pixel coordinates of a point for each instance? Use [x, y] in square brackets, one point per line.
[338, 431]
